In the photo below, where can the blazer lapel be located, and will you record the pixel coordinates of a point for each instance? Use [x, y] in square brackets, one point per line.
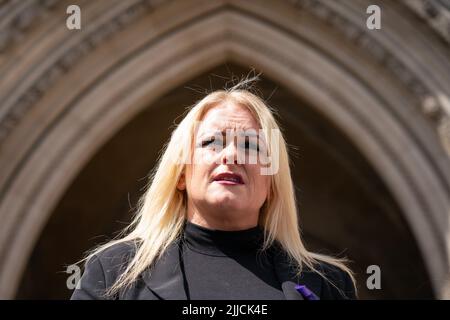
[286, 274]
[166, 278]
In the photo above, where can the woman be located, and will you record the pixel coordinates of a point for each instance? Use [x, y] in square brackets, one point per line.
[214, 223]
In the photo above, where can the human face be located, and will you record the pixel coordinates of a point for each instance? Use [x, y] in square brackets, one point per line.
[213, 201]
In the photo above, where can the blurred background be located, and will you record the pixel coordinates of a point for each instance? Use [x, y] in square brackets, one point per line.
[84, 114]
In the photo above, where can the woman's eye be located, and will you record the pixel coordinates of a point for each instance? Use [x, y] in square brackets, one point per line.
[250, 145]
[206, 142]
[211, 141]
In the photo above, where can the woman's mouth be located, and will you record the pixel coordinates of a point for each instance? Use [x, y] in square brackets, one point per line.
[228, 178]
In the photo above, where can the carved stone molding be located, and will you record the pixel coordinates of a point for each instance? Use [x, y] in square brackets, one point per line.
[439, 113]
[435, 12]
[24, 14]
[18, 23]
[67, 60]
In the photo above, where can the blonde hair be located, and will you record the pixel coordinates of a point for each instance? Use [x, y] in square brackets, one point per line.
[161, 211]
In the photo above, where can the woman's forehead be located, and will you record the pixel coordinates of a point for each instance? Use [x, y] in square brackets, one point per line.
[225, 117]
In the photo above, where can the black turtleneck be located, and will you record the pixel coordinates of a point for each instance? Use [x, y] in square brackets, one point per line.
[227, 265]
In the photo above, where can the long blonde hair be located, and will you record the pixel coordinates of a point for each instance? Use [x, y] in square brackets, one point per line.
[161, 211]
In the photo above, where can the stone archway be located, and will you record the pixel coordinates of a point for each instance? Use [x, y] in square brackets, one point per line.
[342, 203]
[69, 95]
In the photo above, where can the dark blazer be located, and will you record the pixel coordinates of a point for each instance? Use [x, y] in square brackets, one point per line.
[166, 280]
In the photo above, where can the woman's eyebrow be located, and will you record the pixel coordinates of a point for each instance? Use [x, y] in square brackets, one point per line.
[211, 133]
[252, 133]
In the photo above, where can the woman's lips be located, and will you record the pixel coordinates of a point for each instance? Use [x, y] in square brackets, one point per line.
[228, 178]
[229, 183]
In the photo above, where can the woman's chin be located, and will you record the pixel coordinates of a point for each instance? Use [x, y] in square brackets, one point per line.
[227, 202]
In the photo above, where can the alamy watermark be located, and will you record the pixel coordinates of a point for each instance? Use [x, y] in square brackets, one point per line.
[73, 21]
[73, 280]
[235, 146]
[373, 22]
[374, 280]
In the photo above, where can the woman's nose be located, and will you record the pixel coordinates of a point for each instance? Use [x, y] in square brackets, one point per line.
[230, 154]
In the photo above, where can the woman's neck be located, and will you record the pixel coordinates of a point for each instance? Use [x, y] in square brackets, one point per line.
[222, 222]
[222, 243]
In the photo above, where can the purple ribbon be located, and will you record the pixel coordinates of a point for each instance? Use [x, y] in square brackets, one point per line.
[306, 293]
